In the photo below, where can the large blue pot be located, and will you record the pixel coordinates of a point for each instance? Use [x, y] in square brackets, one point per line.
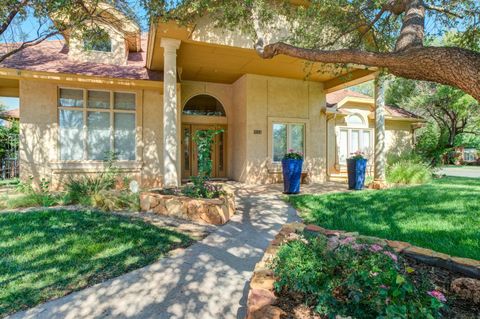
[292, 174]
[356, 173]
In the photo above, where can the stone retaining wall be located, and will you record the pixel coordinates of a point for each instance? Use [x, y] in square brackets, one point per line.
[215, 211]
[261, 296]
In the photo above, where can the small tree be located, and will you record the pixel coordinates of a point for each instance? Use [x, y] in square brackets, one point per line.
[205, 139]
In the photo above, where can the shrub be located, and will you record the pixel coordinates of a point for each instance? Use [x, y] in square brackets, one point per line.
[201, 188]
[409, 172]
[354, 279]
[32, 196]
[115, 200]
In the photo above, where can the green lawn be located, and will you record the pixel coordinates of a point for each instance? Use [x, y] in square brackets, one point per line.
[48, 254]
[443, 215]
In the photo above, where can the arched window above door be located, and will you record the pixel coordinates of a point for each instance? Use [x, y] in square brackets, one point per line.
[205, 105]
[355, 120]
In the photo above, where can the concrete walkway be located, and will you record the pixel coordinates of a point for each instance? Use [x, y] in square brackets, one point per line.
[207, 280]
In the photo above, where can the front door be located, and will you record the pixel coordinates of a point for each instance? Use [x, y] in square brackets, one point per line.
[190, 152]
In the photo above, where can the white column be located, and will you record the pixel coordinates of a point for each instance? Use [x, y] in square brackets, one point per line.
[379, 168]
[171, 160]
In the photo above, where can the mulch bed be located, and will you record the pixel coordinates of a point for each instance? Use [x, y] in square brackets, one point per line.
[295, 308]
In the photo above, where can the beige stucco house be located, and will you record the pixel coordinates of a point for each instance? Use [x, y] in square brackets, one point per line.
[143, 96]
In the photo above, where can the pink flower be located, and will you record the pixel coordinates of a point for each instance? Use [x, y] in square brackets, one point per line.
[358, 247]
[437, 295]
[376, 248]
[347, 240]
[391, 255]
[384, 287]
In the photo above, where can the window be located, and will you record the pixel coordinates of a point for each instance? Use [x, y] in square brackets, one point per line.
[470, 155]
[351, 140]
[355, 120]
[97, 39]
[204, 105]
[94, 123]
[287, 136]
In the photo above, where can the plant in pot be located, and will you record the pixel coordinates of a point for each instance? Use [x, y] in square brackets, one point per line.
[356, 167]
[292, 164]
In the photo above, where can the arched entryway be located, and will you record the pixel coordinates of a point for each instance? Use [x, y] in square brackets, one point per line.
[203, 112]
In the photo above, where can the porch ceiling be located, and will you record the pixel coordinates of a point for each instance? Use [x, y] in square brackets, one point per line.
[201, 61]
[9, 87]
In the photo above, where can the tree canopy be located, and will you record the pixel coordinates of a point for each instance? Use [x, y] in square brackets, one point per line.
[395, 35]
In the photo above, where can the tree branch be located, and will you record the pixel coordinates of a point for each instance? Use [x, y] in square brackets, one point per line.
[13, 13]
[443, 10]
[28, 44]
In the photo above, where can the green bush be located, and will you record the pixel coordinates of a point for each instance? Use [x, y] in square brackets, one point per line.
[115, 200]
[32, 196]
[408, 172]
[354, 279]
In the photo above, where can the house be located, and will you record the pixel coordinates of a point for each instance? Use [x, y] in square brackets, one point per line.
[10, 116]
[351, 128]
[143, 97]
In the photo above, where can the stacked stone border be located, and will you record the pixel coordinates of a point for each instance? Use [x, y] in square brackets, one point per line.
[216, 211]
[261, 296]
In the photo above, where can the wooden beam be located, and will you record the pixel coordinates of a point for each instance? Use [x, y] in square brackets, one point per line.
[352, 78]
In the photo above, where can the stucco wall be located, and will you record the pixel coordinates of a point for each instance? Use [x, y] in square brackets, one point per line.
[270, 99]
[117, 56]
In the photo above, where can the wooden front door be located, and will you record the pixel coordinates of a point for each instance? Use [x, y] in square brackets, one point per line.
[190, 152]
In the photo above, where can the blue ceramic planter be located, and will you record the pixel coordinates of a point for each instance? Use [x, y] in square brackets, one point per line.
[292, 174]
[356, 173]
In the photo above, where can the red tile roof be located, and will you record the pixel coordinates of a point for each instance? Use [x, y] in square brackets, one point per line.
[52, 56]
[10, 114]
[394, 111]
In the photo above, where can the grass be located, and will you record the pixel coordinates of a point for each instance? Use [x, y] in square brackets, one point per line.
[48, 254]
[443, 215]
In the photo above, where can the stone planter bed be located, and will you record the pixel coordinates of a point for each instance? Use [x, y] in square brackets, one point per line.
[216, 211]
[457, 278]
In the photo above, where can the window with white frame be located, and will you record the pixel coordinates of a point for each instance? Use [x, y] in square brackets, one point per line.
[287, 136]
[95, 123]
[355, 137]
[470, 155]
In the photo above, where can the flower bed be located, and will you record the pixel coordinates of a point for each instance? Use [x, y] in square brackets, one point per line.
[315, 273]
[215, 211]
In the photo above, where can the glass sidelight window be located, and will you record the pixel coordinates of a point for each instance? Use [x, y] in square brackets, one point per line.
[95, 123]
[287, 136]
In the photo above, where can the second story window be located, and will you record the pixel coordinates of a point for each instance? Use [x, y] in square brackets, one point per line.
[97, 39]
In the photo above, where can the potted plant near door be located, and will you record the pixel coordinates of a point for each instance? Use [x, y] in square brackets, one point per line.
[292, 164]
[356, 167]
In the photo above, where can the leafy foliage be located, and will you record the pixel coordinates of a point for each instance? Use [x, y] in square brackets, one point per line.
[32, 196]
[201, 188]
[408, 172]
[349, 278]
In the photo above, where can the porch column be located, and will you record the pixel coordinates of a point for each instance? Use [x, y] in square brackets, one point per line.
[171, 161]
[379, 165]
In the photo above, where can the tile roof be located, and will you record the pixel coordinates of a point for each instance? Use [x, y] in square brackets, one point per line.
[52, 56]
[394, 111]
[10, 114]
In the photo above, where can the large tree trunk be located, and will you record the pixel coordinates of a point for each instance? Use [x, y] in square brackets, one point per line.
[446, 65]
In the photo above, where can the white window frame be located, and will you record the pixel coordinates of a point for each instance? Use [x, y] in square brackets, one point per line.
[470, 155]
[288, 124]
[349, 130]
[85, 109]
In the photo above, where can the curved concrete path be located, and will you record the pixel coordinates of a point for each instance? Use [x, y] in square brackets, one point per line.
[207, 280]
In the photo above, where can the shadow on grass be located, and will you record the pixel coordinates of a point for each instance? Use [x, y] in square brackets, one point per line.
[47, 254]
[443, 216]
